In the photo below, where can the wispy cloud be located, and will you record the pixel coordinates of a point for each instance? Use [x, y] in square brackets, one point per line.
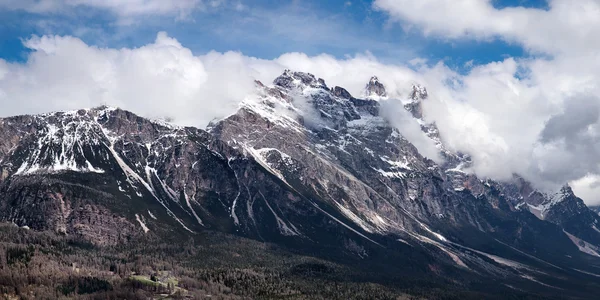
[261, 28]
[295, 27]
[123, 8]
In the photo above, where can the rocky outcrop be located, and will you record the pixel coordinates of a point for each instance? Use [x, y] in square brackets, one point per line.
[416, 98]
[46, 203]
[374, 89]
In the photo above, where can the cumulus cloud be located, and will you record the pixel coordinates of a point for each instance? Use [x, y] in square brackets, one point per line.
[162, 79]
[566, 27]
[534, 117]
[538, 116]
[165, 79]
[587, 188]
[577, 120]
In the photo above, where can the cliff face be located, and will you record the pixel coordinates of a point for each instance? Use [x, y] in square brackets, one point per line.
[108, 176]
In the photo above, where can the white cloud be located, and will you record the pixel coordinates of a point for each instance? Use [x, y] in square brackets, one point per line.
[509, 115]
[587, 187]
[122, 8]
[164, 79]
[567, 27]
[393, 110]
[543, 125]
[160, 79]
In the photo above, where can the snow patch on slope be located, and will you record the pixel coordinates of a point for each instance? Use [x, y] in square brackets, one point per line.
[354, 218]
[258, 155]
[132, 177]
[583, 246]
[397, 164]
[390, 174]
[60, 149]
[187, 201]
[144, 227]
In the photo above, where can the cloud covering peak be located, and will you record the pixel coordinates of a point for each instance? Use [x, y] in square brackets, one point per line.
[537, 116]
[512, 116]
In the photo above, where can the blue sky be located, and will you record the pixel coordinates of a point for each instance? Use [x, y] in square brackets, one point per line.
[264, 29]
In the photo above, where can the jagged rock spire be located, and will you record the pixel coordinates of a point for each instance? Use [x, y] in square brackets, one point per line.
[375, 88]
[418, 93]
[415, 107]
[566, 191]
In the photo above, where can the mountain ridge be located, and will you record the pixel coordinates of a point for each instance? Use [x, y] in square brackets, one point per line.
[300, 165]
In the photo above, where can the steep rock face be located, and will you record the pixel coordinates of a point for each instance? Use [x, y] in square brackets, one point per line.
[575, 217]
[343, 151]
[338, 150]
[46, 203]
[107, 176]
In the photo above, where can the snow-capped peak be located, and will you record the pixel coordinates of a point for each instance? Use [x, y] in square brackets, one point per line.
[299, 80]
[418, 93]
[566, 191]
[375, 89]
[341, 92]
[414, 106]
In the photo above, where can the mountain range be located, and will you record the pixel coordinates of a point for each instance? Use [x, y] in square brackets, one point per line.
[312, 170]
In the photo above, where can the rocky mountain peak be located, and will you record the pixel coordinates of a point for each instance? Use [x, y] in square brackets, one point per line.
[566, 191]
[341, 92]
[291, 79]
[296, 99]
[418, 93]
[375, 89]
